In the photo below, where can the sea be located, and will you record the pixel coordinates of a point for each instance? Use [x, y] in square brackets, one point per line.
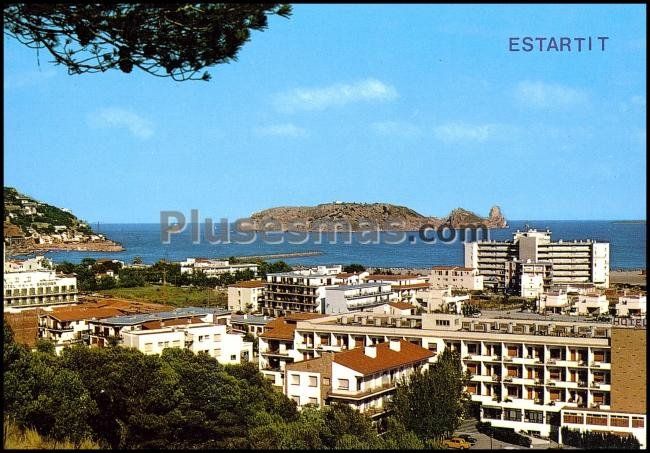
[385, 249]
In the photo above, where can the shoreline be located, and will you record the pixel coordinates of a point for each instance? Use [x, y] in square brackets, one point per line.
[95, 246]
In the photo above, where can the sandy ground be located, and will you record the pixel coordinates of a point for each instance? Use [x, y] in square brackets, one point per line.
[634, 277]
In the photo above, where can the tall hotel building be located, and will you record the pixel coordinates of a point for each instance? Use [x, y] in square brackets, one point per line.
[502, 264]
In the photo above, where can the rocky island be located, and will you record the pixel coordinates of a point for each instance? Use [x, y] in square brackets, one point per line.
[360, 216]
[32, 226]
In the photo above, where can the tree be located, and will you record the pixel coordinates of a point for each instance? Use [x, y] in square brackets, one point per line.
[137, 260]
[432, 403]
[354, 268]
[174, 40]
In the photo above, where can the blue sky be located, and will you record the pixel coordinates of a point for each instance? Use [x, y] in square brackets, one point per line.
[418, 105]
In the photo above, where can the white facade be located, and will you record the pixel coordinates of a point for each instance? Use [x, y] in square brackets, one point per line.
[592, 304]
[299, 291]
[584, 261]
[554, 301]
[38, 288]
[532, 286]
[524, 371]
[457, 277]
[209, 338]
[347, 298]
[214, 268]
[245, 296]
[633, 305]
[442, 299]
[31, 264]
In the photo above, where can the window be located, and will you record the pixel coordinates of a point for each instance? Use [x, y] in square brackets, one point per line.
[296, 398]
[512, 415]
[637, 422]
[295, 379]
[326, 381]
[617, 420]
[233, 357]
[148, 347]
[575, 419]
[597, 419]
[312, 401]
[313, 381]
[344, 384]
[534, 416]
[160, 344]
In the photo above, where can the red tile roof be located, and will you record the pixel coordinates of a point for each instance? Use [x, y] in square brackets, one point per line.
[401, 305]
[248, 284]
[79, 314]
[283, 328]
[357, 360]
[150, 325]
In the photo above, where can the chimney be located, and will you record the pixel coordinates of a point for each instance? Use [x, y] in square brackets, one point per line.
[370, 351]
[394, 345]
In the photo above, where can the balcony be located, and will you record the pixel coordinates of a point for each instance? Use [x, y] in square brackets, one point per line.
[496, 378]
[361, 394]
[507, 359]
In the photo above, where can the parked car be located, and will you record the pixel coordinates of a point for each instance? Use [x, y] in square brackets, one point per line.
[468, 438]
[456, 442]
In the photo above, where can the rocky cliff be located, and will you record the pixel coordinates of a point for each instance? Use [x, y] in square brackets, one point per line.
[363, 216]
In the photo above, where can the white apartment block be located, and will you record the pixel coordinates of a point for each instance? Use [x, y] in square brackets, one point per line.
[208, 338]
[395, 308]
[583, 261]
[68, 326]
[247, 323]
[457, 277]
[364, 378]
[31, 264]
[299, 291]
[214, 268]
[442, 300]
[246, 296]
[102, 330]
[362, 296]
[632, 305]
[553, 302]
[527, 370]
[38, 288]
[409, 288]
[592, 304]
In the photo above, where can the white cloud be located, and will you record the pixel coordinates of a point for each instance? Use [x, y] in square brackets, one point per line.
[463, 132]
[283, 130]
[333, 95]
[122, 118]
[395, 129]
[544, 95]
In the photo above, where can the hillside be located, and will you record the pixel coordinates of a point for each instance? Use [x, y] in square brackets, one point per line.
[31, 225]
[385, 216]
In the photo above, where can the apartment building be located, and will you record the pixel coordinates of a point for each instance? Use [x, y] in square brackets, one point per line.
[39, 262]
[276, 346]
[409, 287]
[364, 378]
[246, 296]
[457, 277]
[581, 261]
[299, 291]
[38, 288]
[247, 323]
[526, 370]
[192, 334]
[592, 304]
[69, 326]
[101, 330]
[361, 296]
[553, 302]
[213, 267]
[395, 308]
[443, 300]
[631, 305]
